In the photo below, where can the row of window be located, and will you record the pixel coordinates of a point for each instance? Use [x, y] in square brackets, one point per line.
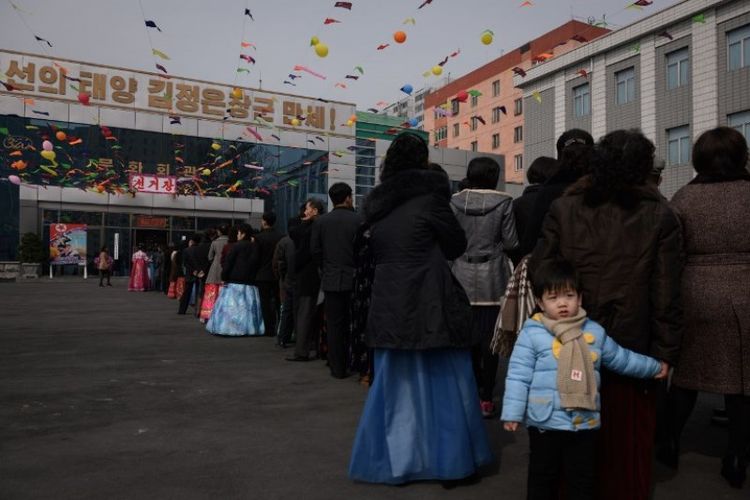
[517, 108]
[679, 144]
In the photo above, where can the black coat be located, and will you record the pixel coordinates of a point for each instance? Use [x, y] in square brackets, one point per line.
[201, 257]
[306, 270]
[416, 303]
[266, 241]
[241, 264]
[190, 262]
[630, 261]
[522, 208]
[332, 247]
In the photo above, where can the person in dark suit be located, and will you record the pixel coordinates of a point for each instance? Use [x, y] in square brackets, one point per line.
[191, 267]
[307, 285]
[203, 265]
[267, 284]
[332, 247]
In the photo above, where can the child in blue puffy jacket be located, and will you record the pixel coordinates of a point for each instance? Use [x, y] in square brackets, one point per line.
[553, 381]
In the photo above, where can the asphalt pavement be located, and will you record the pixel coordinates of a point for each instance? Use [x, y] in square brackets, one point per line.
[106, 394]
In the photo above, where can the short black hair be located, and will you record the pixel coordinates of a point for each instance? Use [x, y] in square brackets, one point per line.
[571, 137]
[224, 229]
[483, 173]
[721, 154]
[407, 151]
[555, 276]
[196, 238]
[339, 192]
[246, 229]
[270, 218]
[316, 203]
[541, 170]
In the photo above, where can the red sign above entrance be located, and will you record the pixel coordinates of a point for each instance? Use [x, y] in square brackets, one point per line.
[148, 221]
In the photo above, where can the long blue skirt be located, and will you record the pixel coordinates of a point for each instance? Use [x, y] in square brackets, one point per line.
[421, 420]
[237, 312]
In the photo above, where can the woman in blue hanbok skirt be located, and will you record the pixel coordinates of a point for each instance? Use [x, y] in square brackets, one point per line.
[422, 419]
[237, 310]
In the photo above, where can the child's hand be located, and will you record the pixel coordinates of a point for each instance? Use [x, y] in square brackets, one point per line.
[663, 372]
[510, 426]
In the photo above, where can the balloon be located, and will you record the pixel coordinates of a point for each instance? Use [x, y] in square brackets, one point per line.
[486, 38]
[413, 122]
[462, 96]
[437, 70]
[353, 118]
[60, 135]
[237, 93]
[314, 41]
[407, 89]
[321, 49]
[100, 188]
[295, 122]
[83, 98]
[215, 146]
[49, 155]
[19, 165]
[14, 179]
[349, 123]
[206, 171]
[47, 146]
[399, 37]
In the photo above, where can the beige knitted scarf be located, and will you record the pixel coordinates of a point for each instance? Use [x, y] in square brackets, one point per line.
[576, 381]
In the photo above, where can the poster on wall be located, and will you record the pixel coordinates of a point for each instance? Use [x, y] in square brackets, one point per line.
[67, 244]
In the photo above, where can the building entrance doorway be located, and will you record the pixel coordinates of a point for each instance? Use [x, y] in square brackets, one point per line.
[151, 239]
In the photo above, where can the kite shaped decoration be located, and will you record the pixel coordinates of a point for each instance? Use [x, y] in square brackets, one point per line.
[330, 20]
[520, 72]
[152, 24]
[343, 5]
[426, 2]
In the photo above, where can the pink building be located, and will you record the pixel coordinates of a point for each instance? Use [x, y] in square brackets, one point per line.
[491, 98]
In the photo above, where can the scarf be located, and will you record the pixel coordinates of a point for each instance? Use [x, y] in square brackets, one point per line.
[576, 381]
[515, 307]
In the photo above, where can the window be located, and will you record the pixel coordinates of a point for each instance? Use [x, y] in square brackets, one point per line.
[456, 129]
[495, 141]
[518, 134]
[582, 100]
[454, 106]
[496, 114]
[473, 123]
[441, 133]
[518, 163]
[678, 145]
[474, 101]
[419, 108]
[677, 68]
[474, 146]
[517, 107]
[741, 122]
[625, 85]
[738, 48]
[496, 88]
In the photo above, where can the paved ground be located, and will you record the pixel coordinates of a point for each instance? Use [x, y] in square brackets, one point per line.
[109, 394]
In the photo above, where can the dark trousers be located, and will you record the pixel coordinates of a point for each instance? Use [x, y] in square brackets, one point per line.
[306, 327]
[681, 405]
[286, 317]
[337, 306]
[484, 361]
[269, 299]
[571, 455]
[190, 283]
[102, 274]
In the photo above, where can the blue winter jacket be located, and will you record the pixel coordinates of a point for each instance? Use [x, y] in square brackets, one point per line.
[531, 394]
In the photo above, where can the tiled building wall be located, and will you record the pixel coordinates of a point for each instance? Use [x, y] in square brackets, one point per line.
[627, 115]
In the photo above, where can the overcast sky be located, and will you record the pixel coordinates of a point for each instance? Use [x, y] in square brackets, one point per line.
[202, 37]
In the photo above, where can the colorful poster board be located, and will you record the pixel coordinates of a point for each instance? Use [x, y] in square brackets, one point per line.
[67, 244]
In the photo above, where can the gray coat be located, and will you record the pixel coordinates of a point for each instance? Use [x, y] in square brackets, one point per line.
[715, 350]
[487, 219]
[214, 255]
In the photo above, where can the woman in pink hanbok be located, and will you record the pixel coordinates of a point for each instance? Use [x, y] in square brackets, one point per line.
[139, 281]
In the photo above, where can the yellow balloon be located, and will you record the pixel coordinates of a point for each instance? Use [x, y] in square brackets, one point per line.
[353, 118]
[437, 70]
[349, 123]
[215, 146]
[295, 122]
[206, 171]
[237, 93]
[321, 49]
[314, 41]
[49, 155]
[486, 38]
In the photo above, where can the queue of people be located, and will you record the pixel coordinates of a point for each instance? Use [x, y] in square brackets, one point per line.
[604, 290]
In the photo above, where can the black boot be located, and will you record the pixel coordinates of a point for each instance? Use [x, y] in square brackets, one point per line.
[668, 453]
[733, 468]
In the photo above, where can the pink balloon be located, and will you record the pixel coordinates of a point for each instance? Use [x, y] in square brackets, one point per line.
[47, 146]
[15, 179]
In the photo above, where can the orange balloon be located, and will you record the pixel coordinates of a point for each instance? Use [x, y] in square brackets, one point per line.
[399, 37]
[60, 135]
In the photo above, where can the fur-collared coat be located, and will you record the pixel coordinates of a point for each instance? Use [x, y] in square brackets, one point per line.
[715, 353]
[629, 255]
[415, 302]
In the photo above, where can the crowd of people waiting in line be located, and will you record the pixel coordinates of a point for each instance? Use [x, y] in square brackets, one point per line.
[609, 300]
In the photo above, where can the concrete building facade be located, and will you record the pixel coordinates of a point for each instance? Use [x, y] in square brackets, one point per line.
[674, 75]
[495, 101]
